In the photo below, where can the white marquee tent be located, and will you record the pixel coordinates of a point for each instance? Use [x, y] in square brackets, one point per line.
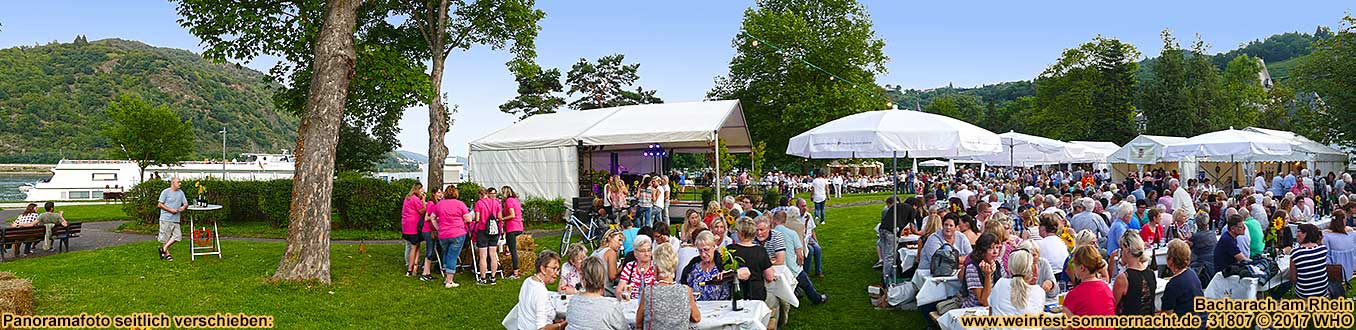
[539, 156]
[1144, 152]
[1316, 155]
[1096, 152]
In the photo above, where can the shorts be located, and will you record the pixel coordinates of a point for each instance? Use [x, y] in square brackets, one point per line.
[170, 231]
[485, 240]
[413, 239]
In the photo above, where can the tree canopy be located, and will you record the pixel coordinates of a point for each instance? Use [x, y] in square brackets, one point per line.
[1330, 74]
[148, 135]
[780, 94]
[606, 84]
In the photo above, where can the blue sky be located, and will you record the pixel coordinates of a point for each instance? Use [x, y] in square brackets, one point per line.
[683, 45]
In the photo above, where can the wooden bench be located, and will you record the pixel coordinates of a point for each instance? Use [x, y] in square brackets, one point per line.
[10, 236]
[64, 235]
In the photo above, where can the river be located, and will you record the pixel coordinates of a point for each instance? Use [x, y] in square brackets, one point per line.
[10, 182]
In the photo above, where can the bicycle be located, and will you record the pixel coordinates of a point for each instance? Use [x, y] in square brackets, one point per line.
[590, 232]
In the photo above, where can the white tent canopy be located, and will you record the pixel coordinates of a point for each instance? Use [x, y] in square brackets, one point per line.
[1232, 145]
[1143, 150]
[1096, 152]
[1305, 149]
[538, 156]
[893, 133]
[1028, 150]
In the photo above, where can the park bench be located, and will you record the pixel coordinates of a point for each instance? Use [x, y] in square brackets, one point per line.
[64, 235]
[10, 236]
[61, 236]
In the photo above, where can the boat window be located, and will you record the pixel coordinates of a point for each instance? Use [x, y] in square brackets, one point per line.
[104, 177]
[78, 194]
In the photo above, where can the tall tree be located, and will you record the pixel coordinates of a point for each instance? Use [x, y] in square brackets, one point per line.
[315, 39]
[960, 106]
[1205, 96]
[1244, 96]
[307, 256]
[1330, 73]
[1163, 100]
[447, 25]
[537, 90]
[1087, 94]
[148, 135]
[604, 84]
[783, 97]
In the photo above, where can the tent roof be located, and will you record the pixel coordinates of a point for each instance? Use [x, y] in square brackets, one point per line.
[1097, 151]
[689, 125]
[1308, 148]
[1236, 145]
[1026, 150]
[1122, 155]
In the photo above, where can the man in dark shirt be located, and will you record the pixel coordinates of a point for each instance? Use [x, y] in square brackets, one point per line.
[1202, 246]
[1226, 250]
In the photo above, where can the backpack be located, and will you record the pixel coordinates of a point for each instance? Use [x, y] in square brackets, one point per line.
[945, 261]
[492, 225]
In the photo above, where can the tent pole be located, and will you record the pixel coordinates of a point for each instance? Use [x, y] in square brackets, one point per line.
[719, 176]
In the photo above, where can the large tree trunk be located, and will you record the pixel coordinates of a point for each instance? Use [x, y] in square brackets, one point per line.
[438, 121]
[308, 235]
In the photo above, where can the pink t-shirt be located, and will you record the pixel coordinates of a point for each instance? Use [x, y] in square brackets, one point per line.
[514, 224]
[1091, 298]
[451, 218]
[410, 214]
[484, 208]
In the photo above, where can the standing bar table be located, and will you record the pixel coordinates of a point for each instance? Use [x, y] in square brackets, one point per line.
[213, 247]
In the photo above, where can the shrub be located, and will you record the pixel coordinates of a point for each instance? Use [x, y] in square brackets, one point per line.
[369, 203]
[470, 193]
[707, 196]
[544, 210]
[772, 197]
[275, 200]
[140, 201]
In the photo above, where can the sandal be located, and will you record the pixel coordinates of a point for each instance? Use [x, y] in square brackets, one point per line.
[169, 257]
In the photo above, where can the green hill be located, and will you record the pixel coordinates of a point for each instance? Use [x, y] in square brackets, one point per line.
[52, 99]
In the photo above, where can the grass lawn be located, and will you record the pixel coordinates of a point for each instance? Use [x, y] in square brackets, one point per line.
[370, 291]
[878, 198]
[90, 213]
[255, 229]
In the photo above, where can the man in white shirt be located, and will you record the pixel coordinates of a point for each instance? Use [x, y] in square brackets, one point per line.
[1181, 199]
[820, 195]
[1259, 184]
[838, 185]
[964, 194]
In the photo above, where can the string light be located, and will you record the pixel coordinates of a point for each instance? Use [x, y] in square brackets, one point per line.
[756, 41]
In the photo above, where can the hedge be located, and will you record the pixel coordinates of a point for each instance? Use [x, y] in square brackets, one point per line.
[544, 210]
[359, 202]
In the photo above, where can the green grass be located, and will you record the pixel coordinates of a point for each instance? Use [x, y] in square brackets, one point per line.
[370, 291]
[263, 230]
[877, 198]
[90, 213]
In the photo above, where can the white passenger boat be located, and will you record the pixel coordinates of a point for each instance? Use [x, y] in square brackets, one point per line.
[90, 179]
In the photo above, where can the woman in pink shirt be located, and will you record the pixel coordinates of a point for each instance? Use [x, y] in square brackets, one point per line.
[411, 214]
[1090, 295]
[513, 225]
[488, 209]
[452, 218]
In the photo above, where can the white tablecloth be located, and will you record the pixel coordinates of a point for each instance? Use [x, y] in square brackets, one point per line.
[907, 257]
[951, 320]
[1321, 223]
[1246, 288]
[753, 315]
[1161, 256]
[784, 286]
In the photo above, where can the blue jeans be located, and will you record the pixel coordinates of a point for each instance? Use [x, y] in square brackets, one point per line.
[643, 218]
[803, 284]
[819, 211]
[813, 251]
[451, 251]
[430, 250]
[657, 215]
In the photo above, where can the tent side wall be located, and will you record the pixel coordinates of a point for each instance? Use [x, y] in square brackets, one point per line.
[550, 172]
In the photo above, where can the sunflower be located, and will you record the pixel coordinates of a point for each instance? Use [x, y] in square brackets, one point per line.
[1067, 237]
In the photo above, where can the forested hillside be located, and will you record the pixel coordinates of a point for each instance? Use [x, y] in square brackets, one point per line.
[53, 97]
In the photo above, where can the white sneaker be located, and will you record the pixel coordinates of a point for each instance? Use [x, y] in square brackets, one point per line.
[450, 285]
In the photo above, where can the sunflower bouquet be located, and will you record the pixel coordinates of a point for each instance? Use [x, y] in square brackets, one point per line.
[201, 199]
[1273, 231]
[1067, 235]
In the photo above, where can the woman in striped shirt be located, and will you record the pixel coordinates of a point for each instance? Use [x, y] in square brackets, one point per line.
[1308, 264]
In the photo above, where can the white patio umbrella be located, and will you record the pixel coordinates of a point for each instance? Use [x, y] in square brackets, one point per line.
[889, 133]
[1028, 150]
[934, 163]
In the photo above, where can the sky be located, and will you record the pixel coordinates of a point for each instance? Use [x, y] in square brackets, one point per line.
[682, 46]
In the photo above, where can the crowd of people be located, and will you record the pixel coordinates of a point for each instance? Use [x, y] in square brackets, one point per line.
[1012, 236]
[728, 251]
